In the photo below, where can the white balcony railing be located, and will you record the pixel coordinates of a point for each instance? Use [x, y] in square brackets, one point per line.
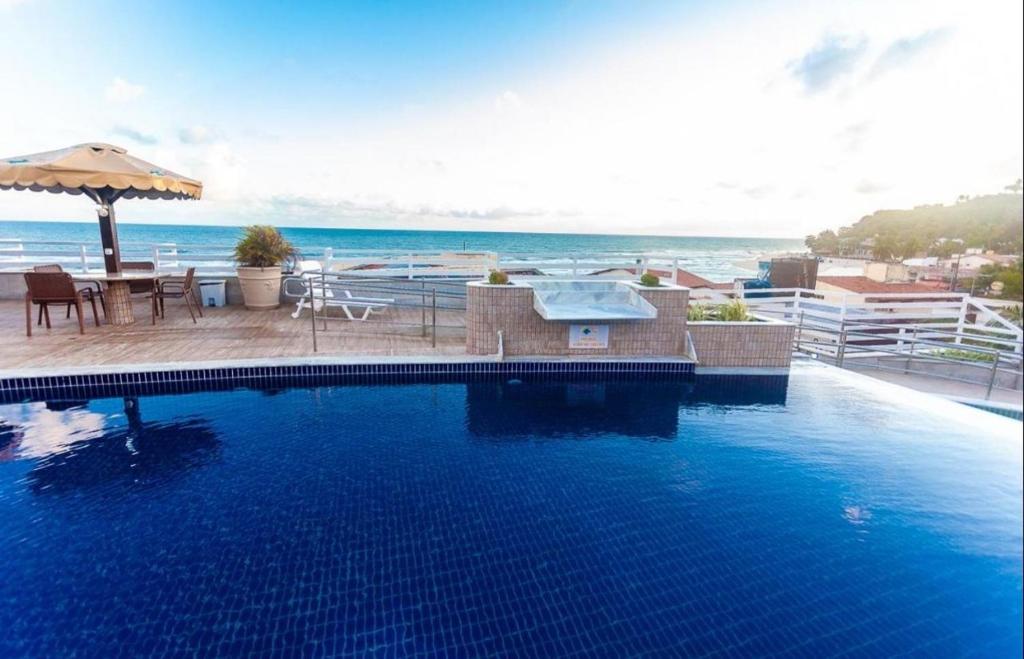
[956, 318]
[815, 310]
[17, 254]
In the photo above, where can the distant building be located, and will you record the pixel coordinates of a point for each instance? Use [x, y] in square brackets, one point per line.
[862, 289]
[886, 272]
[971, 262]
[699, 286]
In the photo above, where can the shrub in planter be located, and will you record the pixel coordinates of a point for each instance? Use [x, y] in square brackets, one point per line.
[1013, 314]
[647, 279]
[259, 253]
[697, 312]
[733, 312]
[497, 278]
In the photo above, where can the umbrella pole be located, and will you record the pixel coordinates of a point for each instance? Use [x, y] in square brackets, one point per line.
[108, 236]
[108, 225]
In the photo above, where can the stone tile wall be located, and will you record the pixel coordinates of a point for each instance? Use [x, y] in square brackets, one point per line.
[510, 310]
[767, 344]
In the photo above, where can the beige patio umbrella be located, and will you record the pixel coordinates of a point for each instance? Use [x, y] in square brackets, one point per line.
[102, 172]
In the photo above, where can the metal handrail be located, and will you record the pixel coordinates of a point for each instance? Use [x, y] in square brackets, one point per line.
[320, 287]
[923, 327]
[995, 361]
[997, 358]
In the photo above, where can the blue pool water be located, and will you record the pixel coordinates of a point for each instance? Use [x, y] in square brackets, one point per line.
[742, 516]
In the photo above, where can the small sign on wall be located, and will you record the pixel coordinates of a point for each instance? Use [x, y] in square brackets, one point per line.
[588, 337]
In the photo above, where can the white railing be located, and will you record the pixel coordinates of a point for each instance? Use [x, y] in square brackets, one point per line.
[816, 311]
[16, 254]
[888, 319]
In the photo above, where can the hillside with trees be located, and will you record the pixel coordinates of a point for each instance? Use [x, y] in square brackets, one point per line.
[988, 221]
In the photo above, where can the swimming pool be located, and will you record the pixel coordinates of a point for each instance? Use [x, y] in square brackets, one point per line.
[814, 514]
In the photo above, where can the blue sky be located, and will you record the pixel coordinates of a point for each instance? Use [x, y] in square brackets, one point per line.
[342, 60]
[773, 118]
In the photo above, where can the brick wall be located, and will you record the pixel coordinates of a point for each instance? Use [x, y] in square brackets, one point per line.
[768, 344]
[510, 310]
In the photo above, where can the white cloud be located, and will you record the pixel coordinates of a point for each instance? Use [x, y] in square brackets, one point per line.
[852, 137]
[904, 51]
[221, 169]
[868, 186]
[508, 100]
[825, 64]
[197, 134]
[333, 207]
[122, 91]
[135, 135]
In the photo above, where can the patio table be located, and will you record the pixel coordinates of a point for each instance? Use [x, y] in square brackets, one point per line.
[118, 296]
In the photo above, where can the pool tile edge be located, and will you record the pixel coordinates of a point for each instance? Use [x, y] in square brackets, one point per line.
[140, 379]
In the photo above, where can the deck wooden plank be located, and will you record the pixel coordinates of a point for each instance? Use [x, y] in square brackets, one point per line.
[224, 333]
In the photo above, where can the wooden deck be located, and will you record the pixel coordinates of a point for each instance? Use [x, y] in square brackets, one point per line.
[224, 333]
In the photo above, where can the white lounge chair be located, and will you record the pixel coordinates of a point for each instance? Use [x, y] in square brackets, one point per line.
[310, 272]
[324, 296]
[367, 304]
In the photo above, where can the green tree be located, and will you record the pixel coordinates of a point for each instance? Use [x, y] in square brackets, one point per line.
[1010, 276]
[945, 248]
[908, 247]
[884, 248]
[987, 221]
[826, 242]
[1013, 282]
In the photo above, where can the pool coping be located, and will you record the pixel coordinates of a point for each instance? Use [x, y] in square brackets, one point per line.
[17, 385]
[258, 362]
[1009, 410]
[324, 360]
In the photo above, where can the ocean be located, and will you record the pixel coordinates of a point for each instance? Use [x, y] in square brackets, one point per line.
[713, 258]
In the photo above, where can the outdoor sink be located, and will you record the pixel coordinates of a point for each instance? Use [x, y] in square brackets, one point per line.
[590, 301]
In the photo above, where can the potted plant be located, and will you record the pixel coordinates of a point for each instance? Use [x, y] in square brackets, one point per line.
[650, 280]
[259, 253]
[497, 278]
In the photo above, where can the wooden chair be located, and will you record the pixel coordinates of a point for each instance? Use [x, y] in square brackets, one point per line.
[91, 289]
[146, 288]
[178, 289]
[46, 288]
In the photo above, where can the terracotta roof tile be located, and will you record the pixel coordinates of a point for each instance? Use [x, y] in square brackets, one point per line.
[861, 284]
[683, 277]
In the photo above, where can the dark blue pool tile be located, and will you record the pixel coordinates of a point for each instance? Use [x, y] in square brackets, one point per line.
[141, 382]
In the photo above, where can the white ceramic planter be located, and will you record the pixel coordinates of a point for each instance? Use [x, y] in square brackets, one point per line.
[261, 287]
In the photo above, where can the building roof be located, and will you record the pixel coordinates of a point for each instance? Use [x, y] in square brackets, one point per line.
[860, 284]
[683, 277]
